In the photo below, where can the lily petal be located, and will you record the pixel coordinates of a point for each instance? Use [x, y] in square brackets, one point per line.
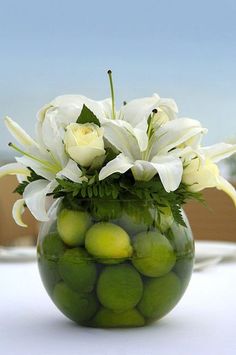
[52, 139]
[121, 135]
[169, 106]
[72, 172]
[174, 133]
[219, 151]
[142, 138]
[18, 133]
[13, 169]
[40, 169]
[225, 186]
[137, 111]
[143, 170]
[170, 170]
[118, 165]
[35, 196]
[17, 211]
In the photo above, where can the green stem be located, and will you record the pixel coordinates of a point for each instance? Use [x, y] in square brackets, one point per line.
[112, 94]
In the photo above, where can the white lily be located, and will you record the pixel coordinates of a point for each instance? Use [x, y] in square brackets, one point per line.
[44, 163]
[136, 113]
[202, 172]
[59, 113]
[160, 155]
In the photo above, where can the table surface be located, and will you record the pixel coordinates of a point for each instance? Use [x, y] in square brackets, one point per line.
[203, 323]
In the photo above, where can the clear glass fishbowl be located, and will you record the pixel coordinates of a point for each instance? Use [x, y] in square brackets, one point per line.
[114, 263]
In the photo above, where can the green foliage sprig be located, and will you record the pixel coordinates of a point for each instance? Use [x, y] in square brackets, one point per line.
[122, 187]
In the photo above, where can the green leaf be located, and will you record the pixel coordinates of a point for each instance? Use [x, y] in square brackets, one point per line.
[87, 116]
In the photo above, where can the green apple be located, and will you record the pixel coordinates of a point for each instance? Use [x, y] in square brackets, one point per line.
[77, 269]
[153, 254]
[160, 295]
[79, 307]
[108, 241]
[72, 226]
[105, 318]
[119, 287]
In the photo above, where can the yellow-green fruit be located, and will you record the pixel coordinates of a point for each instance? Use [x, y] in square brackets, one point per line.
[153, 254]
[108, 241]
[105, 318]
[52, 246]
[49, 252]
[160, 295]
[79, 307]
[77, 269]
[49, 273]
[72, 226]
[119, 287]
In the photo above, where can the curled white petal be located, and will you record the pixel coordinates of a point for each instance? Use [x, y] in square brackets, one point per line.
[35, 196]
[137, 111]
[174, 133]
[225, 186]
[170, 170]
[120, 134]
[219, 151]
[118, 165]
[13, 169]
[17, 211]
[19, 133]
[72, 172]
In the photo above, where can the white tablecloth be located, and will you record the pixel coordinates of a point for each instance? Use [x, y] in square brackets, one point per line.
[203, 323]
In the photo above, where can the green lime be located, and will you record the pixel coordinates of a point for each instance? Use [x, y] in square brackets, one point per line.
[77, 269]
[49, 273]
[119, 287]
[72, 226]
[49, 252]
[153, 254]
[107, 240]
[79, 307]
[52, 246]
[160, 295]
[183, 268]
[105, 318]
[130, 225]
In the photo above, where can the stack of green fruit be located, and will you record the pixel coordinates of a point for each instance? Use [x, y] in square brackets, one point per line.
[101, 274]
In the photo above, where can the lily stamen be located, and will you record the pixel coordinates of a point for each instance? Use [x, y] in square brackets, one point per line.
[48, 166]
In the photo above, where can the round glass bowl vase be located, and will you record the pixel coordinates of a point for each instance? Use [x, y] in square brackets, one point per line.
[114, 263]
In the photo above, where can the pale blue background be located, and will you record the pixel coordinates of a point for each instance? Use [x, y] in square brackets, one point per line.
[180, 49]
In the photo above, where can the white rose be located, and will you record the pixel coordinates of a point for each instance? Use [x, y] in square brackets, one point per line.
[84, 142]
[200, 175]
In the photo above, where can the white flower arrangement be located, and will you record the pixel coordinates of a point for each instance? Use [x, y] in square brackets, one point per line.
[82, 145]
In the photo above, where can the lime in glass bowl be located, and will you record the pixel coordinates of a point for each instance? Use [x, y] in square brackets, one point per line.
[114, 263]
